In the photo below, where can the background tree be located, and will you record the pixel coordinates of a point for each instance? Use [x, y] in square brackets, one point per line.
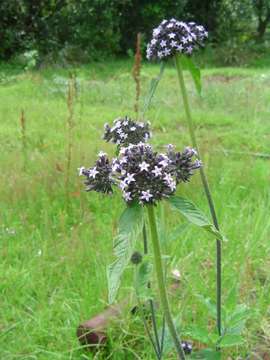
[262, 11]
[205, 12]
[89, 29]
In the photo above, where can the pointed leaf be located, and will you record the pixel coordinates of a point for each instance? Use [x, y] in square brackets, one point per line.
[130, 225]
[144, 273]
[207, 354]
[143, 278]
[176, 232]
[195, 72]
[236, 321]
[211, 307]
[130, 219]
[153, 86]
[198, 333]
[231, 340]
[114, 273]
[194, 215]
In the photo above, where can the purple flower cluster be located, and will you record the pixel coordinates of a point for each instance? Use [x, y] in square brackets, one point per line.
[143, 175]
[182, 163]
[126, 131]
[172, 37]
[99, 178]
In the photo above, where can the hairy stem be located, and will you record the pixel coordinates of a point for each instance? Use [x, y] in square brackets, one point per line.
[161, 283]
[205, 185]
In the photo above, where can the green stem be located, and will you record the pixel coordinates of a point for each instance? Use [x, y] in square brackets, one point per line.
[151, 303]
[140, 305]
[152, 90]
[161, 283]
[205, 185]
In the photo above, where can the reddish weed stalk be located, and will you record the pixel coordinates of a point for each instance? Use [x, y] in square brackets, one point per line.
[136, 73]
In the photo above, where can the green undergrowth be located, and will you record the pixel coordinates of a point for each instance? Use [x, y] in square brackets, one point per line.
[56, 240]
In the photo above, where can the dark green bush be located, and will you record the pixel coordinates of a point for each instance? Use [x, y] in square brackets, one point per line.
[81, 30]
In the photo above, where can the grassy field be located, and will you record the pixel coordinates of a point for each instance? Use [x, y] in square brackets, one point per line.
[56, 240]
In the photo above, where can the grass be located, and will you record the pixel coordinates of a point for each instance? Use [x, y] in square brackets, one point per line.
[55, 245]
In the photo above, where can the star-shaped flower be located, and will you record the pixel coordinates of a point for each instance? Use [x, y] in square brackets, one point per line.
[123, 185]
[123, 160]
[184, 40]
[163, 43]
[164, 163]
[127, 195]
[144, 166]
[180, 47]
[168, 178]
[174, 43]
[81, 170]
[189, 50]
[102, 153]
[93, 172]
[157, 171]
[167, 52]
[129, 178]
[146, 195]
[115, 167]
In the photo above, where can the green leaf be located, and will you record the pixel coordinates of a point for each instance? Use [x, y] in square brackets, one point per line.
[240, 314]
[144, 273]
[130, 219]
[130, 226]
[153, 86]
[194, 215]
[211, 307]
[198, 333]
[143, 277]
[176, 232]
[195, 72]
[231, 340]
[207, 354]
[114, 273]
[236, 321]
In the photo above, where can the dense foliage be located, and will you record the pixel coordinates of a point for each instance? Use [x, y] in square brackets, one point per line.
[84, 29]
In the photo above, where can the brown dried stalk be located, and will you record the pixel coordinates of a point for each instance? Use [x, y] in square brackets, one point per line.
[136, 72]
[23, 130]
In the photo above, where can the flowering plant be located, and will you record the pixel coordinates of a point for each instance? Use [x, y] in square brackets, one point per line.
[177, 40]
[144, 178]
[143, 175]
[126, 131]
[172, 37]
